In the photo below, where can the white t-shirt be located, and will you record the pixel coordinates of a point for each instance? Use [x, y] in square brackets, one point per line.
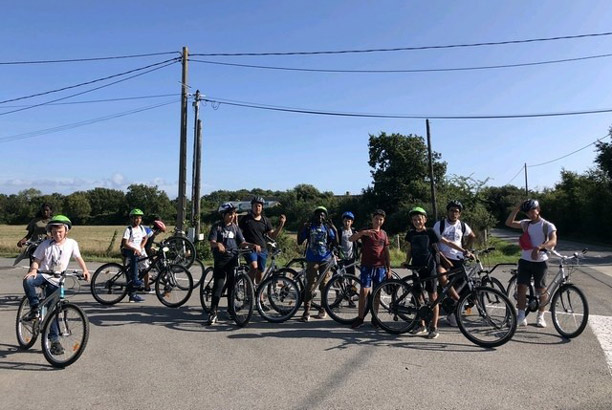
[536, 234]
[55, 258]
[134, 236]
[454, 233]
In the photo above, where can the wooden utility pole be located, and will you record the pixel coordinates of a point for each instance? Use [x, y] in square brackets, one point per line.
[182, 188]
[431, 174]
[526, 187]
[197, 160]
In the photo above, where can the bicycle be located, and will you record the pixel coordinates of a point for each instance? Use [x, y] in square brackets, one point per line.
[568, 304]
[482, 276]
[58, 320]
[27, 251]
[241, 298]
[181, 251]
[173, 283]
[484, 315]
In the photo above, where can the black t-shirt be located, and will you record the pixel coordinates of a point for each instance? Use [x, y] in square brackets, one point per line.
[230, 236]
[254, 230]
[421, 246]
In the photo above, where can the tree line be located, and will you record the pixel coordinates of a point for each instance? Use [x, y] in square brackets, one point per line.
[578, 204]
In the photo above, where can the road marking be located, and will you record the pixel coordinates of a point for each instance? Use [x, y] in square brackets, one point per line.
[602, 327]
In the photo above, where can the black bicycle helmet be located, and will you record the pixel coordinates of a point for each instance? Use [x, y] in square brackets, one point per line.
[454, 204]
[258, 200]
[529, 204]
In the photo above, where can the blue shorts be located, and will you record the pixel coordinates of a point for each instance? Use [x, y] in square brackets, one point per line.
[368, 275]
[260, 257]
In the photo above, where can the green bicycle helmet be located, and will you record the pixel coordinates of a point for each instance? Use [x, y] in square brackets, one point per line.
[59, 220]
[417, 210]
[136, 212]
[320, 209]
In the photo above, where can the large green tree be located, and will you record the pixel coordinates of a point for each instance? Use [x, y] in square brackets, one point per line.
[151, 200]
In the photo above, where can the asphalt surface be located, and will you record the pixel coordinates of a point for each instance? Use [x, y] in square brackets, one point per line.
[147, 356]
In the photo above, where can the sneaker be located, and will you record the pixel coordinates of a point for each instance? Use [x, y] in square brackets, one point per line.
[136, 299]
[374, 323]
[322, 314]
[149, 290]
[433, 333]
[56, 348]
[540, 322]
[452, 320]
[212, 319]
[521, 320]
[137, 284]
[305, 317]
[357, 323]
[32, 314]
[419, 330]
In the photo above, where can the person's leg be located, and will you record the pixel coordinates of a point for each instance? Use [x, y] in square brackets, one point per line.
[366, 285]
[322, 267]
[219, 279]
[312, 269]
[29, 287]
[539, 278]
[262, 257]
[54, 330]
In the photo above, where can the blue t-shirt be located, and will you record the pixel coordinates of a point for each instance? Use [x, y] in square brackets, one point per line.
[231, 238]
[319, 238]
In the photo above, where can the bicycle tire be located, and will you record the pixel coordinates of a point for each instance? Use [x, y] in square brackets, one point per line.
[206, 287]
[569, 310]
[174, 286]
[296, 264]
[494, 283]
[278, 298]
[486, 317]
[341, 298]
[530, 296]
[109, 284]
[27, 331]
[181, 251]
[401, 313]
[242, 299]
[197, 270]
[73, 335]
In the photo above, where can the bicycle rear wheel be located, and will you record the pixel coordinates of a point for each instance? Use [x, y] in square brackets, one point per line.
[570, 311]
[242, 299]
[486, 317]
[400, 313]
[27, 330]
[206, 287]
[174, 286]
[531, 300]
[197, 270]
[341, 298]
[278, 298]
[72, 329]
[494, 283]
[109, 284]
[181, 251]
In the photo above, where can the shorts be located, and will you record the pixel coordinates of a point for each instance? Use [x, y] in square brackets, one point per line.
[431, 285]
[373, 275]
[535, 270]
[260, 257]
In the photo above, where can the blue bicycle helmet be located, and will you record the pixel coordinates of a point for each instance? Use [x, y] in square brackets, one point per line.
[348, 215]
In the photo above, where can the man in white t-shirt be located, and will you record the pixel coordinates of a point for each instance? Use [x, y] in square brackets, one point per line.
[452, 230]
[52, 255]
[532, 264]
[132, 247]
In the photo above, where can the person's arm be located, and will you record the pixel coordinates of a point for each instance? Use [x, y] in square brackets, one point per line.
[408, 254]
[550, 243]
[281, 223]
[469, 242]
[360, 234]
[445, 241]
[219, 245]
[33, 269]
[30, 232]
[511, 221]
[83, 267]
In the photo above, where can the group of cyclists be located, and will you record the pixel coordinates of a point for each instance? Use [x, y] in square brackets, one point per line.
[433, 251]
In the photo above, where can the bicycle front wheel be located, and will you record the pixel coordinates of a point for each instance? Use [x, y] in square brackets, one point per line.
[27, 330]
[341, 298]
[197, 270]
[278, 298]
[399, 314]
[206, 288]
[109, 284]
[494, 283]
[65, 335]
[242, 299]
[173, 286]
[570, 311]
[486, 317]
[181, 251]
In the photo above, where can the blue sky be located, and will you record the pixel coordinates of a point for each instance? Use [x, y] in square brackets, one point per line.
[249, 148]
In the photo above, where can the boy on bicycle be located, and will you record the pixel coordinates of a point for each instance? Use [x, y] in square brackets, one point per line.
[132, 247]
[375, 261]
[347, 250]
[532, 264]
[225, 238]
[52, 255]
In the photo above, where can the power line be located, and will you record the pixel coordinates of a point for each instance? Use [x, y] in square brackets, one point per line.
[515, 175]
[88, 82]
[377, 50]
[90, 90]
[65, 127]
[397, 116]
[567, 155]
[142, 97]
[78, 60]
[425, 70]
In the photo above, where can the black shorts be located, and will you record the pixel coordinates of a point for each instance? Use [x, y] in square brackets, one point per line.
[535, 270]
[430, 285]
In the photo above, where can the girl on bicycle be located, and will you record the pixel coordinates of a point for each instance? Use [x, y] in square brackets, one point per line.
[225, 238]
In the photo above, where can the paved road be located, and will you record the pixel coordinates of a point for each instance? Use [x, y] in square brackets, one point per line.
[146, 356]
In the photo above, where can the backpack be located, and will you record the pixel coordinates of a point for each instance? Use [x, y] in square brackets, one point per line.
[525, 240]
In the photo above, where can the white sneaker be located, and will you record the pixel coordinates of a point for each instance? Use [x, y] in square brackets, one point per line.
[521, 320]
[452, 320]
[540, 322]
